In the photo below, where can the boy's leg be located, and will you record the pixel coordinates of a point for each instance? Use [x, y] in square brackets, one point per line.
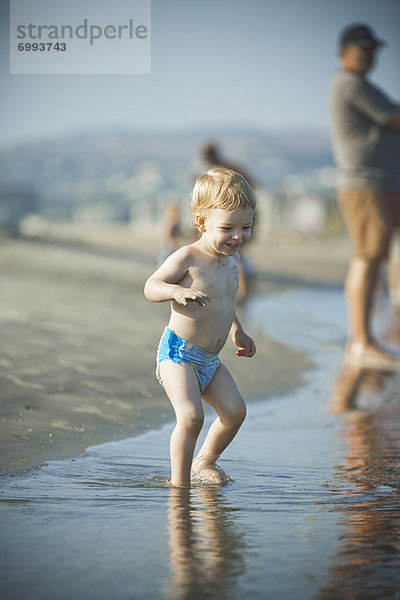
[223, 395]
[181, 385]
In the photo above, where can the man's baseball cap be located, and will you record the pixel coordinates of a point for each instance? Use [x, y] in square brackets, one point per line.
[360, 35]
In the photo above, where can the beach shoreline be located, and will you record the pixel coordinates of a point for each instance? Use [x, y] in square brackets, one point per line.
[77, 361]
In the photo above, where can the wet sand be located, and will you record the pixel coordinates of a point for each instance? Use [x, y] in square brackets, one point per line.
[79, 338]
[313, 511]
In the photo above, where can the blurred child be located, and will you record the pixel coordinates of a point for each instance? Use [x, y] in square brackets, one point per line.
[201, 280]
[169, 230]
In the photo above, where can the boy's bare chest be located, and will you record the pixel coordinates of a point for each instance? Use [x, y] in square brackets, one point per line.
[217, 281]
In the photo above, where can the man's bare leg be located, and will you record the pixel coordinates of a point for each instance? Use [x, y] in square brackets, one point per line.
[360, 287]
[394, 287]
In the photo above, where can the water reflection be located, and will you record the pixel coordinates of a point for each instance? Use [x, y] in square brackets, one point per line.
[359, 387]
[206, 545]
[367, 564]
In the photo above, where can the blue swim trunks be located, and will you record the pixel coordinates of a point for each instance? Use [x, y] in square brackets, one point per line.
[172, 347]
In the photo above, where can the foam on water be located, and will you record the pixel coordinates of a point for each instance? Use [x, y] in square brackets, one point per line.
[107, 525]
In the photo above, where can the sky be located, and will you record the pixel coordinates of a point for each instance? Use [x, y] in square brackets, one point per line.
[232, 63]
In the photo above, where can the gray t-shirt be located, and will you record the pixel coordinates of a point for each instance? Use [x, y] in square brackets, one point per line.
[367, 154]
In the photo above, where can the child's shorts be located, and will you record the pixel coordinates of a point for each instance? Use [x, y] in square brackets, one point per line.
[172, 347]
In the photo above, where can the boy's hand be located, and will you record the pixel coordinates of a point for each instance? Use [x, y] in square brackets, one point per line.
[184, 296]
[245, 344]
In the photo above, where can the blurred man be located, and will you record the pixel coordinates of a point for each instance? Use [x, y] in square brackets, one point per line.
[212, 157]
[366, 146]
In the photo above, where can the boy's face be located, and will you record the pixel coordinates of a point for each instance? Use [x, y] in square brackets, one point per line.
[226, 232]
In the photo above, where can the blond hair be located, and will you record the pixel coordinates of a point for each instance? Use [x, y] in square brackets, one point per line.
[222, 188]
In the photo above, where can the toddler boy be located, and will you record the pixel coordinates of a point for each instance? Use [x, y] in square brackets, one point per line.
[201, 280]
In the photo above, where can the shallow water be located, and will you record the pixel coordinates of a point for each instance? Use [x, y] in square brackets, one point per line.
[313, 511]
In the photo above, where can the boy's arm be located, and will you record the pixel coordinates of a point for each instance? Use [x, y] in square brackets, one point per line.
[163, 285]
[243, 341]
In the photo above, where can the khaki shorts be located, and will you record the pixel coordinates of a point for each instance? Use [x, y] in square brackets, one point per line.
[371, 217]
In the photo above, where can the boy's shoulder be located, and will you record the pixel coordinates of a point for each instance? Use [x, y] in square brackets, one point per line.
[184, 255]
[184, 252]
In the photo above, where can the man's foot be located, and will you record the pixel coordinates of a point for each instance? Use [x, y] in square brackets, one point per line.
[209, 471]
[370, 356]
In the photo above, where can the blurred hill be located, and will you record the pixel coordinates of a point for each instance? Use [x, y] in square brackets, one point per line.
[127, 176]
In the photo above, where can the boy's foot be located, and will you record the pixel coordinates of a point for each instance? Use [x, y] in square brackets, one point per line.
[370, 356]
[209, 471]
